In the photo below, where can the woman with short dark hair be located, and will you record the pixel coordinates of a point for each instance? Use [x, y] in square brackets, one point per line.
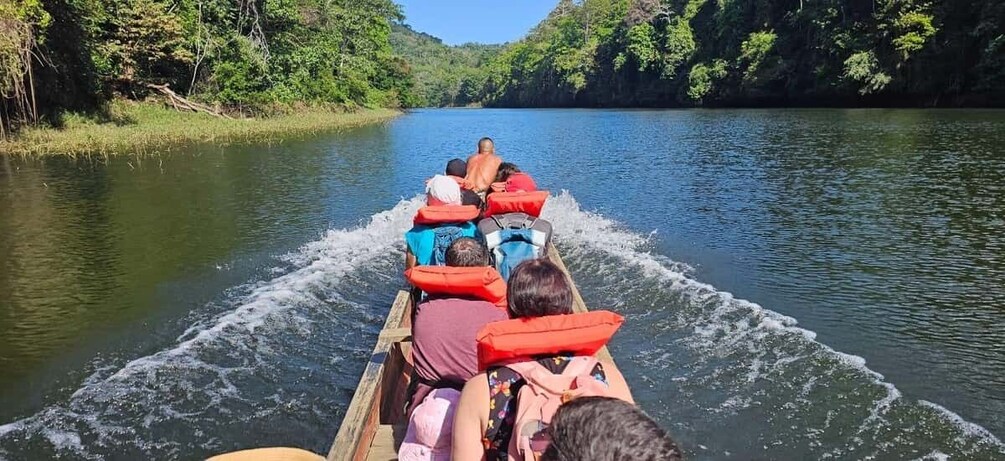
[484, 420]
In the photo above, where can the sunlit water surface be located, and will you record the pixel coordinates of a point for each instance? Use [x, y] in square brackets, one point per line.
[798, 284]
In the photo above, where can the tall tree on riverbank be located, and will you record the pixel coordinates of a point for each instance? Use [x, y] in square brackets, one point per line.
[20, 20]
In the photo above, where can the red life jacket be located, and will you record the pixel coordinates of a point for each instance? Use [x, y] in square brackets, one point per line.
[480, 282]
[512, 202]
[518, 340]
[445, 214]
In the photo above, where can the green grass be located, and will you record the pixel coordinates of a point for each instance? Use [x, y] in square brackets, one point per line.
[152, 128]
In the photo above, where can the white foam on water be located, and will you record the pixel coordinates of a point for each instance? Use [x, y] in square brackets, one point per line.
[934, 455]
[967, 427]
[316, 265]
[731, 321]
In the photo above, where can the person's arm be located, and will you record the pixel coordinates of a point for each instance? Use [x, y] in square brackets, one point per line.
[410, 260]
[616, 383]
[470, 419]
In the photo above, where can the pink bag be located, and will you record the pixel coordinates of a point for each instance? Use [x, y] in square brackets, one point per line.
[540, 397]
[430, 428]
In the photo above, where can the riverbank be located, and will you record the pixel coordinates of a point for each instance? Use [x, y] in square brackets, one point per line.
[152, 128]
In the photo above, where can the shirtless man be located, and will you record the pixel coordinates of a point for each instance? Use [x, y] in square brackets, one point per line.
[482, 167]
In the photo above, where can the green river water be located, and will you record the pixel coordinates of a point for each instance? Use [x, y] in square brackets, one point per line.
[798, 284]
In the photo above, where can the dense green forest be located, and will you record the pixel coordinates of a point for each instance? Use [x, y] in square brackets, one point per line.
[753, 52]
[444, 75]
[243, 55]
[253, 56]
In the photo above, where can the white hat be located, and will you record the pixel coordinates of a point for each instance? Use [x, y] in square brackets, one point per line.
[443, 190]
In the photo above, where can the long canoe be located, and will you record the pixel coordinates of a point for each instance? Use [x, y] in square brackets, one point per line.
[375, 421]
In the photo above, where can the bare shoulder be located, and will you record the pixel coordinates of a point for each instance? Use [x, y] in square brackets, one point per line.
[476, 384]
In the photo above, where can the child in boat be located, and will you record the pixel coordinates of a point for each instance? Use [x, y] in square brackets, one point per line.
[601, 428]
[538, 293]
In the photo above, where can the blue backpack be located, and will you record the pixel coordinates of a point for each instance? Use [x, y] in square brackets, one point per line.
[443, 236]
[429, 243]
[513, 238]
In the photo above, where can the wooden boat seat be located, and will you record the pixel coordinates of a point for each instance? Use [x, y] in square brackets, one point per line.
[386, 442]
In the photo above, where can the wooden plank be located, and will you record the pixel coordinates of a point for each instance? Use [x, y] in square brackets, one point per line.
[386, 442]
[362, 416]
[578, 305]
[394, 388]
[399, 309]
[396, 334]
[360, 421]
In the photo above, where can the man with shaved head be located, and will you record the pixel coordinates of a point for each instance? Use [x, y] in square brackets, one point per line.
[482, 167]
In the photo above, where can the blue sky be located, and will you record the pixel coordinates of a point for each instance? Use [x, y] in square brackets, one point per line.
[480, 21]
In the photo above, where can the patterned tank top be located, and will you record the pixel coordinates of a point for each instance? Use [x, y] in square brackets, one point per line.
[504, 386]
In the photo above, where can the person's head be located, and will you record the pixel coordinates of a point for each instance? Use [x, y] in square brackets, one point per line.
[457, 167]
[536, 288]
[602, 428]
[442, 190]
[467, 252]
[505, 170]
[486, 146]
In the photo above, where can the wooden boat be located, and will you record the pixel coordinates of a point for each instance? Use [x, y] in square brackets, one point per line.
[375, 422]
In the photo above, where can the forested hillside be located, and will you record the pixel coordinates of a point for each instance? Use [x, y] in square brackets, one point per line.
[444, 75]
[253, 56]
[244, 55]
[751, 52]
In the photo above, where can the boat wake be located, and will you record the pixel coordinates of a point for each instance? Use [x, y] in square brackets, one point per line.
[278, 361]
[233, 369]
[716, 366]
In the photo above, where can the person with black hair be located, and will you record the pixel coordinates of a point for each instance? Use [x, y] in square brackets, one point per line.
[509, 178]
[488, 413]
[606, 429]
[457, 169]
[444, 327]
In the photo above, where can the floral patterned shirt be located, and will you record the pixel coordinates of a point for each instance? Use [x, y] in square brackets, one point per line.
[504, 385]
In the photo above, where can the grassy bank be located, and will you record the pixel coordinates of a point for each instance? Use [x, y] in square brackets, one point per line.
[151, 128]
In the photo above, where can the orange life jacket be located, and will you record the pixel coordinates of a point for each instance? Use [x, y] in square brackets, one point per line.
[480, 282]
[517, 340]
[512, 202]
[444, 214]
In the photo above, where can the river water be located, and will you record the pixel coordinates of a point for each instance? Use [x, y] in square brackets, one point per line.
[798, 284]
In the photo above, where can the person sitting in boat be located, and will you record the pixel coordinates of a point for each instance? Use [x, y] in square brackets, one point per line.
[482, 167]
[509, 178]
[443, 220]
[461, 299]
[545, 349]
[457, 169]
[607, 429]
